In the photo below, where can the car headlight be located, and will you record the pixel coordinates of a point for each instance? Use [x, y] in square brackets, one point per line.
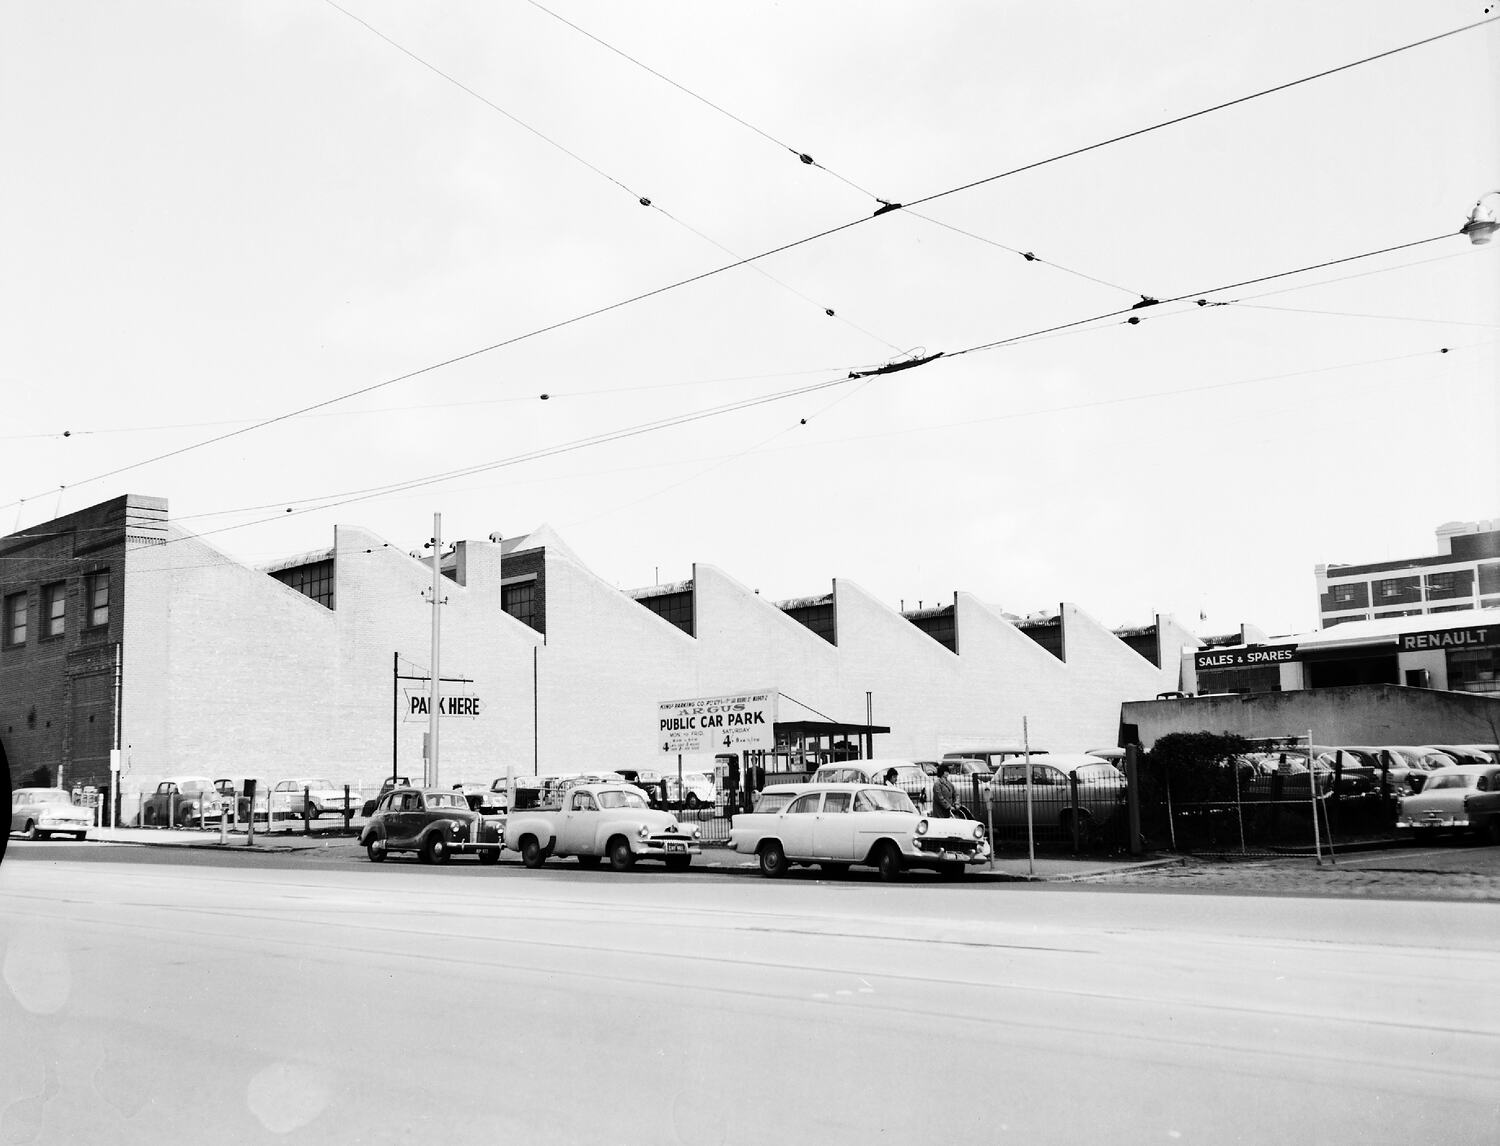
[643, 831]
[697, 832]
[921, 827]
[979, 831]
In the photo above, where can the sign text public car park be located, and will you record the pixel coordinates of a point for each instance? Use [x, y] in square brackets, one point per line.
[745, 721]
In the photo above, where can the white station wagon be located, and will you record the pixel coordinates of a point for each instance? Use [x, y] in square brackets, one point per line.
[837, 825]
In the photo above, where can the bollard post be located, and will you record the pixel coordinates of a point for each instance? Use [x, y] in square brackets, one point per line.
[306, 811]
[1133, 797]
[348, 809]
[1073, 797]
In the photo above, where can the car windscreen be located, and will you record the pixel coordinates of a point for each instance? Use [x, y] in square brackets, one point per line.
[1093, 773]
[445, 800]
[619, 799]
[1456, 780]
[774, 801]
[883, 800]
[44, 796]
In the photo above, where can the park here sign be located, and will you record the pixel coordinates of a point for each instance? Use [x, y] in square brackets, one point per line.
[744, 722]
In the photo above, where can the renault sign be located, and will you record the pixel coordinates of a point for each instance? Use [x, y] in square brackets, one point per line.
[745, 721]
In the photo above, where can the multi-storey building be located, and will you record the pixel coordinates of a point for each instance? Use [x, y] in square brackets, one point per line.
[1463, 574]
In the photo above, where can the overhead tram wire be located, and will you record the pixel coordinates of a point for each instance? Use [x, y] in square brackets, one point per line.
[712, 272]
[643, 200]
[888, 206]
[807, 159]
[333, 501]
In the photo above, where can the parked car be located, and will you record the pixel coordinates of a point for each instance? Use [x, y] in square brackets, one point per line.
[474, 794]
[914, 777]
[233, 791]
[995, 755]
[696, 790]
[1101, 793]
[182, 801]
[838, 825]
[307, 797]
[433, 822]
[386, 785]
[1459, 798]
[40, 813]
[597, 821]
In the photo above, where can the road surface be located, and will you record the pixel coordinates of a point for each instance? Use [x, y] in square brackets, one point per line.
[350, 1002]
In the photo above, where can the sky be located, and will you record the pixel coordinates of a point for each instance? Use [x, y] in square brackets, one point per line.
[287, 263]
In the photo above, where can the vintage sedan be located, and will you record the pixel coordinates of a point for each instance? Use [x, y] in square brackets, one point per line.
[182, 802]
[434, 823]
[599, 820]
[1460, 798]
[307, 798]
[1100, 785]
[39, 813]
[838, 825]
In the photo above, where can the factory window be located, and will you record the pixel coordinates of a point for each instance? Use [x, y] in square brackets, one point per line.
[15, 620]
[1398, 591]
[97, 588]
[54, 609]
[1474, 670]
[519, 600]
[313, 580]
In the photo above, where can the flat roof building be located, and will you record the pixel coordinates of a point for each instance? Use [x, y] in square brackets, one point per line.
[1463, 574]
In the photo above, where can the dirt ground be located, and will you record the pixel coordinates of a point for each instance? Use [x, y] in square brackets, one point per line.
[1447, 873]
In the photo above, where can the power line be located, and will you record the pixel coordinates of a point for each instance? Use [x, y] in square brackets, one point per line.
[781, 249]
[348, 497]
[643, 200]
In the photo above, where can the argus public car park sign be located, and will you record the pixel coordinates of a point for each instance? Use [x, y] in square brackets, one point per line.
[745, 721]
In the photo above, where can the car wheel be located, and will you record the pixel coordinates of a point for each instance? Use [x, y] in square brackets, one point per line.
[149, 818]
[773, 861]
[437, 849]
[693, 801]
[189, 819]
[679, 863]
[834, 870]
[588, 861]
[29, 831]
[621, 858]
[490, 855]
[81, 835]
[1492, 831]
[1085, 826]
[375, 849]
[889, 862]
[531, 852]
[310, 811]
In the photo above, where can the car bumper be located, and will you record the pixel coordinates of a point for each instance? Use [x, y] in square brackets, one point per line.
[1431, 824]
[949, 851]
[52, 824]
[665, 848]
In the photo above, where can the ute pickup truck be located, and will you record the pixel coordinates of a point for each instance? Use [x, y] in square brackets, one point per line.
[595, 821]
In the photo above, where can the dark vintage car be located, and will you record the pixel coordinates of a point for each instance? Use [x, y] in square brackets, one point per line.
[385, 786]
[434, 823]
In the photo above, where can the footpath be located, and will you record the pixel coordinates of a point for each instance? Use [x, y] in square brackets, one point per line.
[1007, 867]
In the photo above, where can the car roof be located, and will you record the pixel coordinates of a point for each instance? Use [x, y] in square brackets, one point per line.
[1063, 759]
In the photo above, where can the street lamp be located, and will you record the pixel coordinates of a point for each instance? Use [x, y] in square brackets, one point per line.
[1482, 223]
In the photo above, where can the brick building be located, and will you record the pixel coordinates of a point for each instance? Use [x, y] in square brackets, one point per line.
[122, 627]
[1464, 574]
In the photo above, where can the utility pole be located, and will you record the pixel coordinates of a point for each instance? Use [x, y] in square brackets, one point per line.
[435, 696]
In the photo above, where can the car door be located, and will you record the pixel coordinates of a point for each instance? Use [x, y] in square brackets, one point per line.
[833, 828]
[404, 823]
[798, 823]
[580, 825]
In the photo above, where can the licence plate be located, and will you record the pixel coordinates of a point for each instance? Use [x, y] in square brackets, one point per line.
[671, 848]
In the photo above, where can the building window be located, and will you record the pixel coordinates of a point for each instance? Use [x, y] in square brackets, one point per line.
[1474, 670]
[519, 600]
[15, 620]
[1260, 678]
[1398, 591]
[97, 587]
[55, 609]
[313, 580]
[674, 608]
[1448, 586]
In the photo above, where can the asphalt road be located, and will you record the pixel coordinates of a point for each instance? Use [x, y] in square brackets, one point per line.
[325, 1000]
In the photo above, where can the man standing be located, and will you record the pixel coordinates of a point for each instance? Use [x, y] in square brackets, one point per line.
[943, 795]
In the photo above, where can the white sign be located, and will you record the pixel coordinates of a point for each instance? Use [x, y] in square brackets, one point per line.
[746, 721]
[419, 705]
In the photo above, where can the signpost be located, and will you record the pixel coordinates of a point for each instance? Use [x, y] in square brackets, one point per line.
[745, 721]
